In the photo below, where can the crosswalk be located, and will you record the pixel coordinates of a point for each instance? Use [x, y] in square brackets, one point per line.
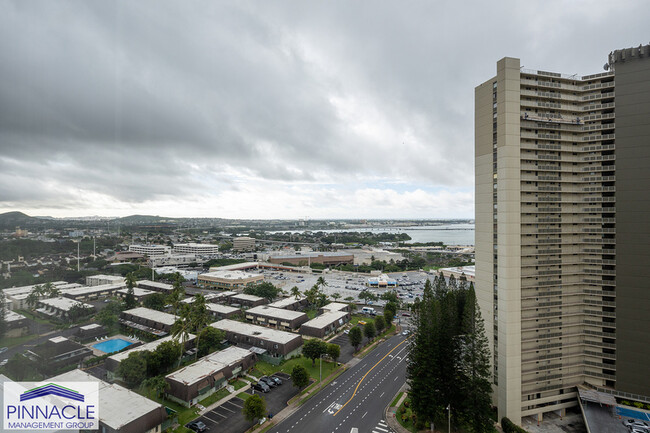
[382, 427]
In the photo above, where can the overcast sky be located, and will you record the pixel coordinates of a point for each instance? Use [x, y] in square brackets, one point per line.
[269, 109]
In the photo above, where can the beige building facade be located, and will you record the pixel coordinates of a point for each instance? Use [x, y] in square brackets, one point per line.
[546, 146]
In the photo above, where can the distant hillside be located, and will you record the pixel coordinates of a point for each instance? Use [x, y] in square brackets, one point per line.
[145, 219]
[11, 220]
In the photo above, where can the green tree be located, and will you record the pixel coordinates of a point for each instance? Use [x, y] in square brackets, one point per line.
[155, 301]
[182, 326]
[336, 296]
[312, 296]
[295, 292]
[264, 290]
[355, 336]
[367, 296]
[133, 369]
[129, 300]
[333, 351]
[313, 349]
[211, 339]
[130, 280]
[254, 407]
[379, 324]
[157, 384]
[199, 318]
[299, 376]
[79, 311]
[176, 296]
[107, 318]
[20, 367]
[320, 282]
[389, 313]
[168, 353]
[369, 330]
[390, 296]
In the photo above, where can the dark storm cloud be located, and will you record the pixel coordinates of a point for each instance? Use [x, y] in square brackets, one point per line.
[150, 100]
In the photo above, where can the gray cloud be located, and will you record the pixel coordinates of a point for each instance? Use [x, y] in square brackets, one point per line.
[155, 100]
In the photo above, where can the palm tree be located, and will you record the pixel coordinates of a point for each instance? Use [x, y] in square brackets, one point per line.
[181, 328]
[320, 282]
[175, 298]
[295, 292]
[130, 280]
[199, 317]
[336, 296]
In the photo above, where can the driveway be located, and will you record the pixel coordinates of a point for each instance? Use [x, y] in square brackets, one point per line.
[228, 417]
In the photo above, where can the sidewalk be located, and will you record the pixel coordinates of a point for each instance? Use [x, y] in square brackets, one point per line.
[391, 413]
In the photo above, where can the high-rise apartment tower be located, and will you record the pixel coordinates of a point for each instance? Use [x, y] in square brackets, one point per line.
[563, 231]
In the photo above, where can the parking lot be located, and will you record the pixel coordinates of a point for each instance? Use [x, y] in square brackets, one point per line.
[347, 350]
[229, 417]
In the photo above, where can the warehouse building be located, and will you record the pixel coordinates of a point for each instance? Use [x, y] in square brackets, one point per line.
[121, 410]
[193, 383]
[325, 324]
[228, 280]
[278, 318]
[271, 345]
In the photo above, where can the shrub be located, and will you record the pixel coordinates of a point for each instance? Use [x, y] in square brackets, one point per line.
[510, 427]
[638, 405]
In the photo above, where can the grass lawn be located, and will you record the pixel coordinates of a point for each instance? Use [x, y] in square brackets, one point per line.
[34, 317]
[15, 341]
[185, 414]
[287, 366]
[399, 395]
[403, 416]
[214, 397]
[243, 395]
[239, 384]
[355, 319]
[311, 313]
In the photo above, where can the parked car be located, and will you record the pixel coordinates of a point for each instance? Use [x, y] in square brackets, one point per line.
[261, 386]
[197, 426]
[267, 380]
[4, 362]
[277, 380]
[3, 349]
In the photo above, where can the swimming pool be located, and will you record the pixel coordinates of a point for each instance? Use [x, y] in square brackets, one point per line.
[110, 346]
[629, 412]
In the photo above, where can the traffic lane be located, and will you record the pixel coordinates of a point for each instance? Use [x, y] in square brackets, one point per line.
[367, 407]
[317, 414]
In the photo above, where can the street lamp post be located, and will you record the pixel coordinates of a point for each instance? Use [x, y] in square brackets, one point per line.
[449, 417]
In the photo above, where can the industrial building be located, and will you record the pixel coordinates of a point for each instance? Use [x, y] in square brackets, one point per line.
[562, 228]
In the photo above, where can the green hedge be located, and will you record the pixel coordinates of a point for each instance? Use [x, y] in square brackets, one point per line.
[510, 427]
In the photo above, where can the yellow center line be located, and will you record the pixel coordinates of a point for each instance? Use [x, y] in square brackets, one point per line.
[364, 376]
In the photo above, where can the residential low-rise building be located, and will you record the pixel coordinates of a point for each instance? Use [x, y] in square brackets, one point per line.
[139, 294]
[113, 362]
[228, 280]
[121, 410]
[58, 352]
[247, 301]
[271, 345]
[334, 306]
[90, 332]
[91, 293]
[290, 303]
[147, 320]
[286, 320]
[60, 307]
[17, 324]
[325, 324]
[155, 285]
[218, 311]
[199, 380]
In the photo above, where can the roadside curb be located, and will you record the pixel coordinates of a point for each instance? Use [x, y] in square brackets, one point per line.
[391, 414]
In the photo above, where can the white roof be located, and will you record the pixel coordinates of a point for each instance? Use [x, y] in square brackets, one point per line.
[92, 289]
[156, 316]
[221, 309]
[107, 277]
[325, 319]
[91, 326]
[26, 289]
[272, 335]
[230, 275]
[58, 339]
[245, 297]
[63, 304]
[283, 303]
[470, 271]
[117, 405]
[208, 365]
[12, 316]
[335, 306]
[121, 356]
[137, 291]
[150, 283]
[279, 313]
[245, 265]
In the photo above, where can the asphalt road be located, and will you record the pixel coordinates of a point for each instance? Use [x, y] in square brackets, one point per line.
[357, 398]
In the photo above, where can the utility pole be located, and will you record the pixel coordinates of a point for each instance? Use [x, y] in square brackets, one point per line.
[78, 243]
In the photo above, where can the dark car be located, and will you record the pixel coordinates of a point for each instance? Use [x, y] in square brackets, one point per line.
[277, 380]
[261, 386]
[197, 426]
[267, 380]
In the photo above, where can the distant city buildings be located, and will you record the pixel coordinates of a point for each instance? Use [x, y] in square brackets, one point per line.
[196, 249]
[243, 243]
[151, 250]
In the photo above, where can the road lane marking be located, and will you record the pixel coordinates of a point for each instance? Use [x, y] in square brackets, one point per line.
[364, 376]
[364, 414]
[382, 394]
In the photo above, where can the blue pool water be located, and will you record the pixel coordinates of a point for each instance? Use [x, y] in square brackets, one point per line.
[110, 346]
[631, 413]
